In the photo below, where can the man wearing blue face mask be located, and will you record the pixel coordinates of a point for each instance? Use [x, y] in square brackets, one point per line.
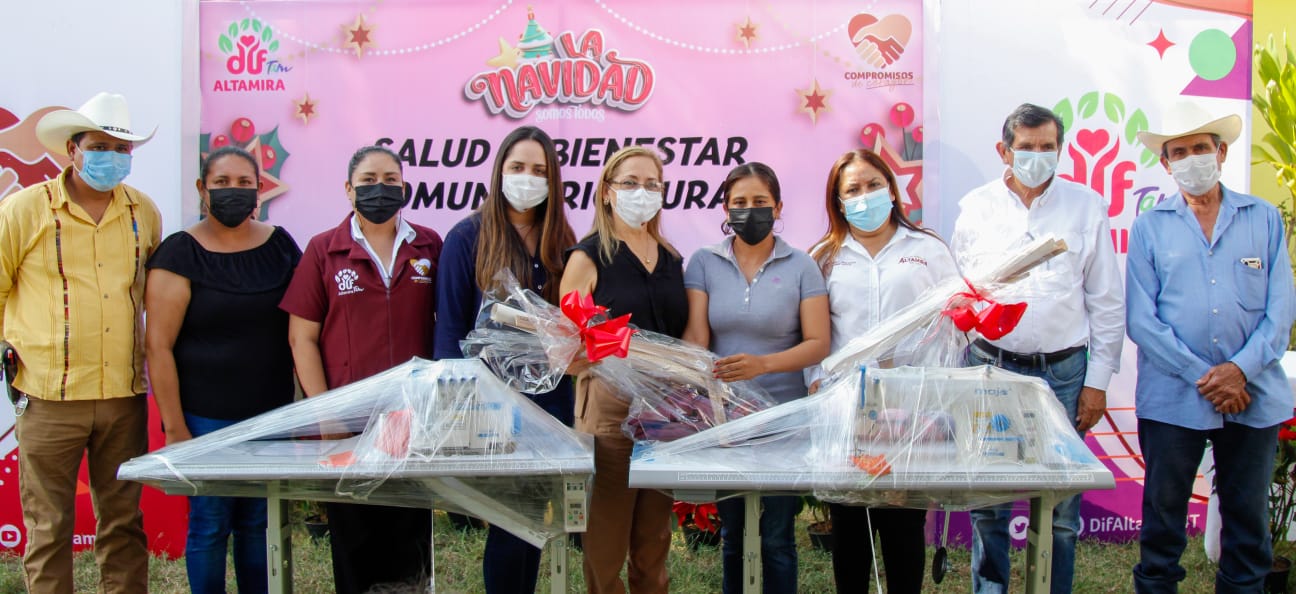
[72, 254]
[1074, 326]
[1209, 290]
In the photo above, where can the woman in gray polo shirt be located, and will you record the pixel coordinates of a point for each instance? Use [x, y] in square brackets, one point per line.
[762, 306]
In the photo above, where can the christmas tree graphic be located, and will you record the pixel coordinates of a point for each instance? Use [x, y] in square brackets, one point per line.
[535, 43]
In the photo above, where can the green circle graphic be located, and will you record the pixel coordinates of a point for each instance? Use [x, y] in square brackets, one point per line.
[1212, 54]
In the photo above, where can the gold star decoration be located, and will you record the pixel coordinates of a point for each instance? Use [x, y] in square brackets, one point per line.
[813, 100]
[507, 58]
[304, 108]
[358, 35]
[747, 32]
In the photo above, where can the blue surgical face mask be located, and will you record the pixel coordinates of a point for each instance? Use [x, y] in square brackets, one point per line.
[103, 170]
[869, 212]
[1033, 169]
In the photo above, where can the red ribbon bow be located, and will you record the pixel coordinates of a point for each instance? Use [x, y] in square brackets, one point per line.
[993, 321]
[608, 337]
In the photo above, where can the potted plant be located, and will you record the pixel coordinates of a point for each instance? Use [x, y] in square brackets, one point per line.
[820, 528]
[700, 523]
[315, 518]
[1282, 504]
[1275, 100]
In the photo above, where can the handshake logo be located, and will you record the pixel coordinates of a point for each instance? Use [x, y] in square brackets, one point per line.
[879, 42]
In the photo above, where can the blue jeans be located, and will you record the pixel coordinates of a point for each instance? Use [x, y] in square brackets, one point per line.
[990, 539]
[212, 520]
[1244, 458]
[778, 543]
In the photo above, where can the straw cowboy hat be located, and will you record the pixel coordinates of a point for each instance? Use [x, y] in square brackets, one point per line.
[105, 112]
[1186, 119]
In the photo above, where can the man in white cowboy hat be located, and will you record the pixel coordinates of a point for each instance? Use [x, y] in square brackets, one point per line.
[72, 254]
[1209, 301]
[1073, 330]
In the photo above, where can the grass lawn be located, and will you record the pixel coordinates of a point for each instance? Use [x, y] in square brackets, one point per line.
[1099, 567]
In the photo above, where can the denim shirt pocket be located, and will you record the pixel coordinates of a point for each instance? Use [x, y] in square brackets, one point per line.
[1252, 286]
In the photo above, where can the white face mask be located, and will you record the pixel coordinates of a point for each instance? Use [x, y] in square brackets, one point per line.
[525, 192]
[637, 207]
[1196, 174]
[1033, 169]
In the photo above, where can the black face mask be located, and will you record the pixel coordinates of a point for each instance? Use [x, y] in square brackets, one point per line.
[231, 206]
[752, 225]
[378, 203]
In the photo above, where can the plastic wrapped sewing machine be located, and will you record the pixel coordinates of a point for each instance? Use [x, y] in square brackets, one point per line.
[445, 434]
[529, 343]
[903, 437]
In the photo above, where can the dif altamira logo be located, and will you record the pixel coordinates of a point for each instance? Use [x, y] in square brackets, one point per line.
[250, 48]
[567, 69]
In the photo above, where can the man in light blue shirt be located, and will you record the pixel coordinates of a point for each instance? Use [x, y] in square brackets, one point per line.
[1209, 303]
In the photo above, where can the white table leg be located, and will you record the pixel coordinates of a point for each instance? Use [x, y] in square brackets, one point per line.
[558, 580]
[751, 539]
[1039, 543]
[278, 543]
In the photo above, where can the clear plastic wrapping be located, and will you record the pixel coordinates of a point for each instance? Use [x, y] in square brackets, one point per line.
[923, 334]
[905, 437]
[670, 384]
[445, 434]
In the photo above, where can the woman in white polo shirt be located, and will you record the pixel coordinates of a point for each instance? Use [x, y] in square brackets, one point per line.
[760, 304]
[876, 262]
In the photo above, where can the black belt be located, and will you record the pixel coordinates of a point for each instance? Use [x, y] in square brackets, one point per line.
[1026, 359]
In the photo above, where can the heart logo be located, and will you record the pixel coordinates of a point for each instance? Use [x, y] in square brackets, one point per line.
[422, 266]
[879, 42]
[247, 40]
[1092, 141]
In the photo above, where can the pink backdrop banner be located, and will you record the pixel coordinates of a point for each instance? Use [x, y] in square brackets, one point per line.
[442, 83]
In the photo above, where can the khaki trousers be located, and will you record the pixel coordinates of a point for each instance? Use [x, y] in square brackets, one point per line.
[622, 521]
[52, 436]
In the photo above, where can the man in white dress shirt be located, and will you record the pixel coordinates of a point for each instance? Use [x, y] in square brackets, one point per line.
[1073, 329]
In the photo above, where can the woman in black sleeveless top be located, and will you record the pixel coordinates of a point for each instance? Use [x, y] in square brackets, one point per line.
[629, 268]
[218, 350]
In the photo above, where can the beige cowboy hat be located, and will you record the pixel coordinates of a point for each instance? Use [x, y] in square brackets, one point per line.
[1185, 119]
[105, 112]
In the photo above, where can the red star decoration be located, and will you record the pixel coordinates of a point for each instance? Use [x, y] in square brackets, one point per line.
[358, 35]
[814, 100]
[747, 32]
[305, 109]
[909, 176]
[1161, 44]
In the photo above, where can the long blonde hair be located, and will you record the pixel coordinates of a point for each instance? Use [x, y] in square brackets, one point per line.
[604, 224]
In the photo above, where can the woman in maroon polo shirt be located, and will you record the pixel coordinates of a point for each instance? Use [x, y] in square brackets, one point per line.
[360, 302]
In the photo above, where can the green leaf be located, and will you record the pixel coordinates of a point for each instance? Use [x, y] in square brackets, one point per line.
[1065, 112]
[1088, 105]
[274, 45]
[1267, 67]
[204, 142]
[225, 44]
[233, 30]
[244, 25]
[265, 34]
[1281, 147]
[1261, 155]
[1137, 123]
[1149, 158]
[1114, 107]
[256, 25]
